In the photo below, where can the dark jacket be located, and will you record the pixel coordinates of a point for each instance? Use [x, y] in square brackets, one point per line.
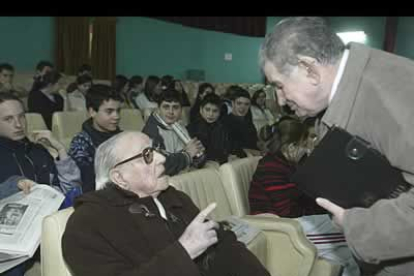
[214, 138]
[109, 234]
[175, 161]
[34, 162]
[82, 150]
[242, 133]
[40, 103]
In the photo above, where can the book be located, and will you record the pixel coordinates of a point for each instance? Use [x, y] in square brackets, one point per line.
[348, 171]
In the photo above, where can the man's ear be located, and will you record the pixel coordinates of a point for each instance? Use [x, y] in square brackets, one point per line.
[116, 177]
[311, 66]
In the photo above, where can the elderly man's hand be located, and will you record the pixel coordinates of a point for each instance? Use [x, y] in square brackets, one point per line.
[25, 185]
[337, 211]
[200, 234]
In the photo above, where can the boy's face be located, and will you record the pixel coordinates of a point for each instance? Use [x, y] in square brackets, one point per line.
[12, 120]
[170, 112]
[240, 106]
[6, 76]
[210, 113]
[108, 116]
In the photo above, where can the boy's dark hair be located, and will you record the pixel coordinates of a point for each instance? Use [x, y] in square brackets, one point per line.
[50, 78]
[100, 93]
[84, 67]
[120, 82]
[83, 79]
[150, 85]
[8, 96]
[167, 80]
[135, 80]
[169, 95]
[42, 64]
[239, 92]
[213, 99]
[6, 66]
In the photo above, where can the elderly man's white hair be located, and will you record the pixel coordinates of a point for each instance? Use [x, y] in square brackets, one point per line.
[106, 157]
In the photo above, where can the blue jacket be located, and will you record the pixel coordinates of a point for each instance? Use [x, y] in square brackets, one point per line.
[24, 159]
[82, 150]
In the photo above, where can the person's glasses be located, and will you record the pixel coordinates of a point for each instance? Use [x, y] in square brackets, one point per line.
[147, 154]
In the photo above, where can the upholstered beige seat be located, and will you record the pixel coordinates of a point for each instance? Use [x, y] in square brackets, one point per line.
[35, 122]
[53, 227]
[236, 177]
[65, 125]
[131, 119]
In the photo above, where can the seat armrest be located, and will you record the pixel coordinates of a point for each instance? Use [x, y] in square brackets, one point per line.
[288, 248]
[289, 252]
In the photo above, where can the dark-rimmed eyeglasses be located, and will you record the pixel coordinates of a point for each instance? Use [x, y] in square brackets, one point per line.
[147, 154]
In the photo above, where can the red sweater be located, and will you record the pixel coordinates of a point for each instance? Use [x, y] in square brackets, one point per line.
[271, 190]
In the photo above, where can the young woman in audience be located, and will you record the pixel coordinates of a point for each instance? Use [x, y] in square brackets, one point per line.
[152, 89]
[76, 99]
[271, 190]
[121, 86]
[258, 108]
[177, 85]
[45, 99]
[135, 87]
[210, 130]
[203, 90]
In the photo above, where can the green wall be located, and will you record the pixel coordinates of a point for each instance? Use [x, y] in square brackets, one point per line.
[147, 46]
[404, 45]
[26, 40]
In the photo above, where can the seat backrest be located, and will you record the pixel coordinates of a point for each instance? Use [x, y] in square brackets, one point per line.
[35, 122]
[66, 124]
[204, 186]
[236, 177]
[53, 227]
[131, 119]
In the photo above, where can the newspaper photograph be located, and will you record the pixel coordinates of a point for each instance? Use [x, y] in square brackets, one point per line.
[21, 218]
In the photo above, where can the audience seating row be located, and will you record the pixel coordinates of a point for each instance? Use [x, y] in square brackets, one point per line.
[66, 124]
[281, 246]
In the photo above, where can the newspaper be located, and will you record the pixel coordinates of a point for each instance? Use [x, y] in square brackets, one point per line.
[244, 232]
[21, 223]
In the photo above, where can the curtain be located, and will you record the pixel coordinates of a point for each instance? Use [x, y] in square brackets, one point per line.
[103, 59]
[241, 25]
[72, 43]
[391, 24]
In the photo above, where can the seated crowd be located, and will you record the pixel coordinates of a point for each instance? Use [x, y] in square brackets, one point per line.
[220, 129]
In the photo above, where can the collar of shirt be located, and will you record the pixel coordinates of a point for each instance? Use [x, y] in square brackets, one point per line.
[338, 76]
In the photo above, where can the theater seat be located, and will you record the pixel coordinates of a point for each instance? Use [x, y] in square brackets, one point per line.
[53, 227]
[35, 122]
[236, 176]
[131, 119]
[66, 124]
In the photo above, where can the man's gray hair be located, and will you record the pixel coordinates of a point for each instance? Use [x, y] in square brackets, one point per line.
[106, 158]
[308, 36]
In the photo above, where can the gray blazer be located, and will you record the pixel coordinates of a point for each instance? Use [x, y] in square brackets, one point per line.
[375, 100]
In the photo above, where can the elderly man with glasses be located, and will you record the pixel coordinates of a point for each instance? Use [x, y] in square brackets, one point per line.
[136, 224]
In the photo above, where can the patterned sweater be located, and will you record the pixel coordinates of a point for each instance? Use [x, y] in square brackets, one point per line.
[271, 190]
